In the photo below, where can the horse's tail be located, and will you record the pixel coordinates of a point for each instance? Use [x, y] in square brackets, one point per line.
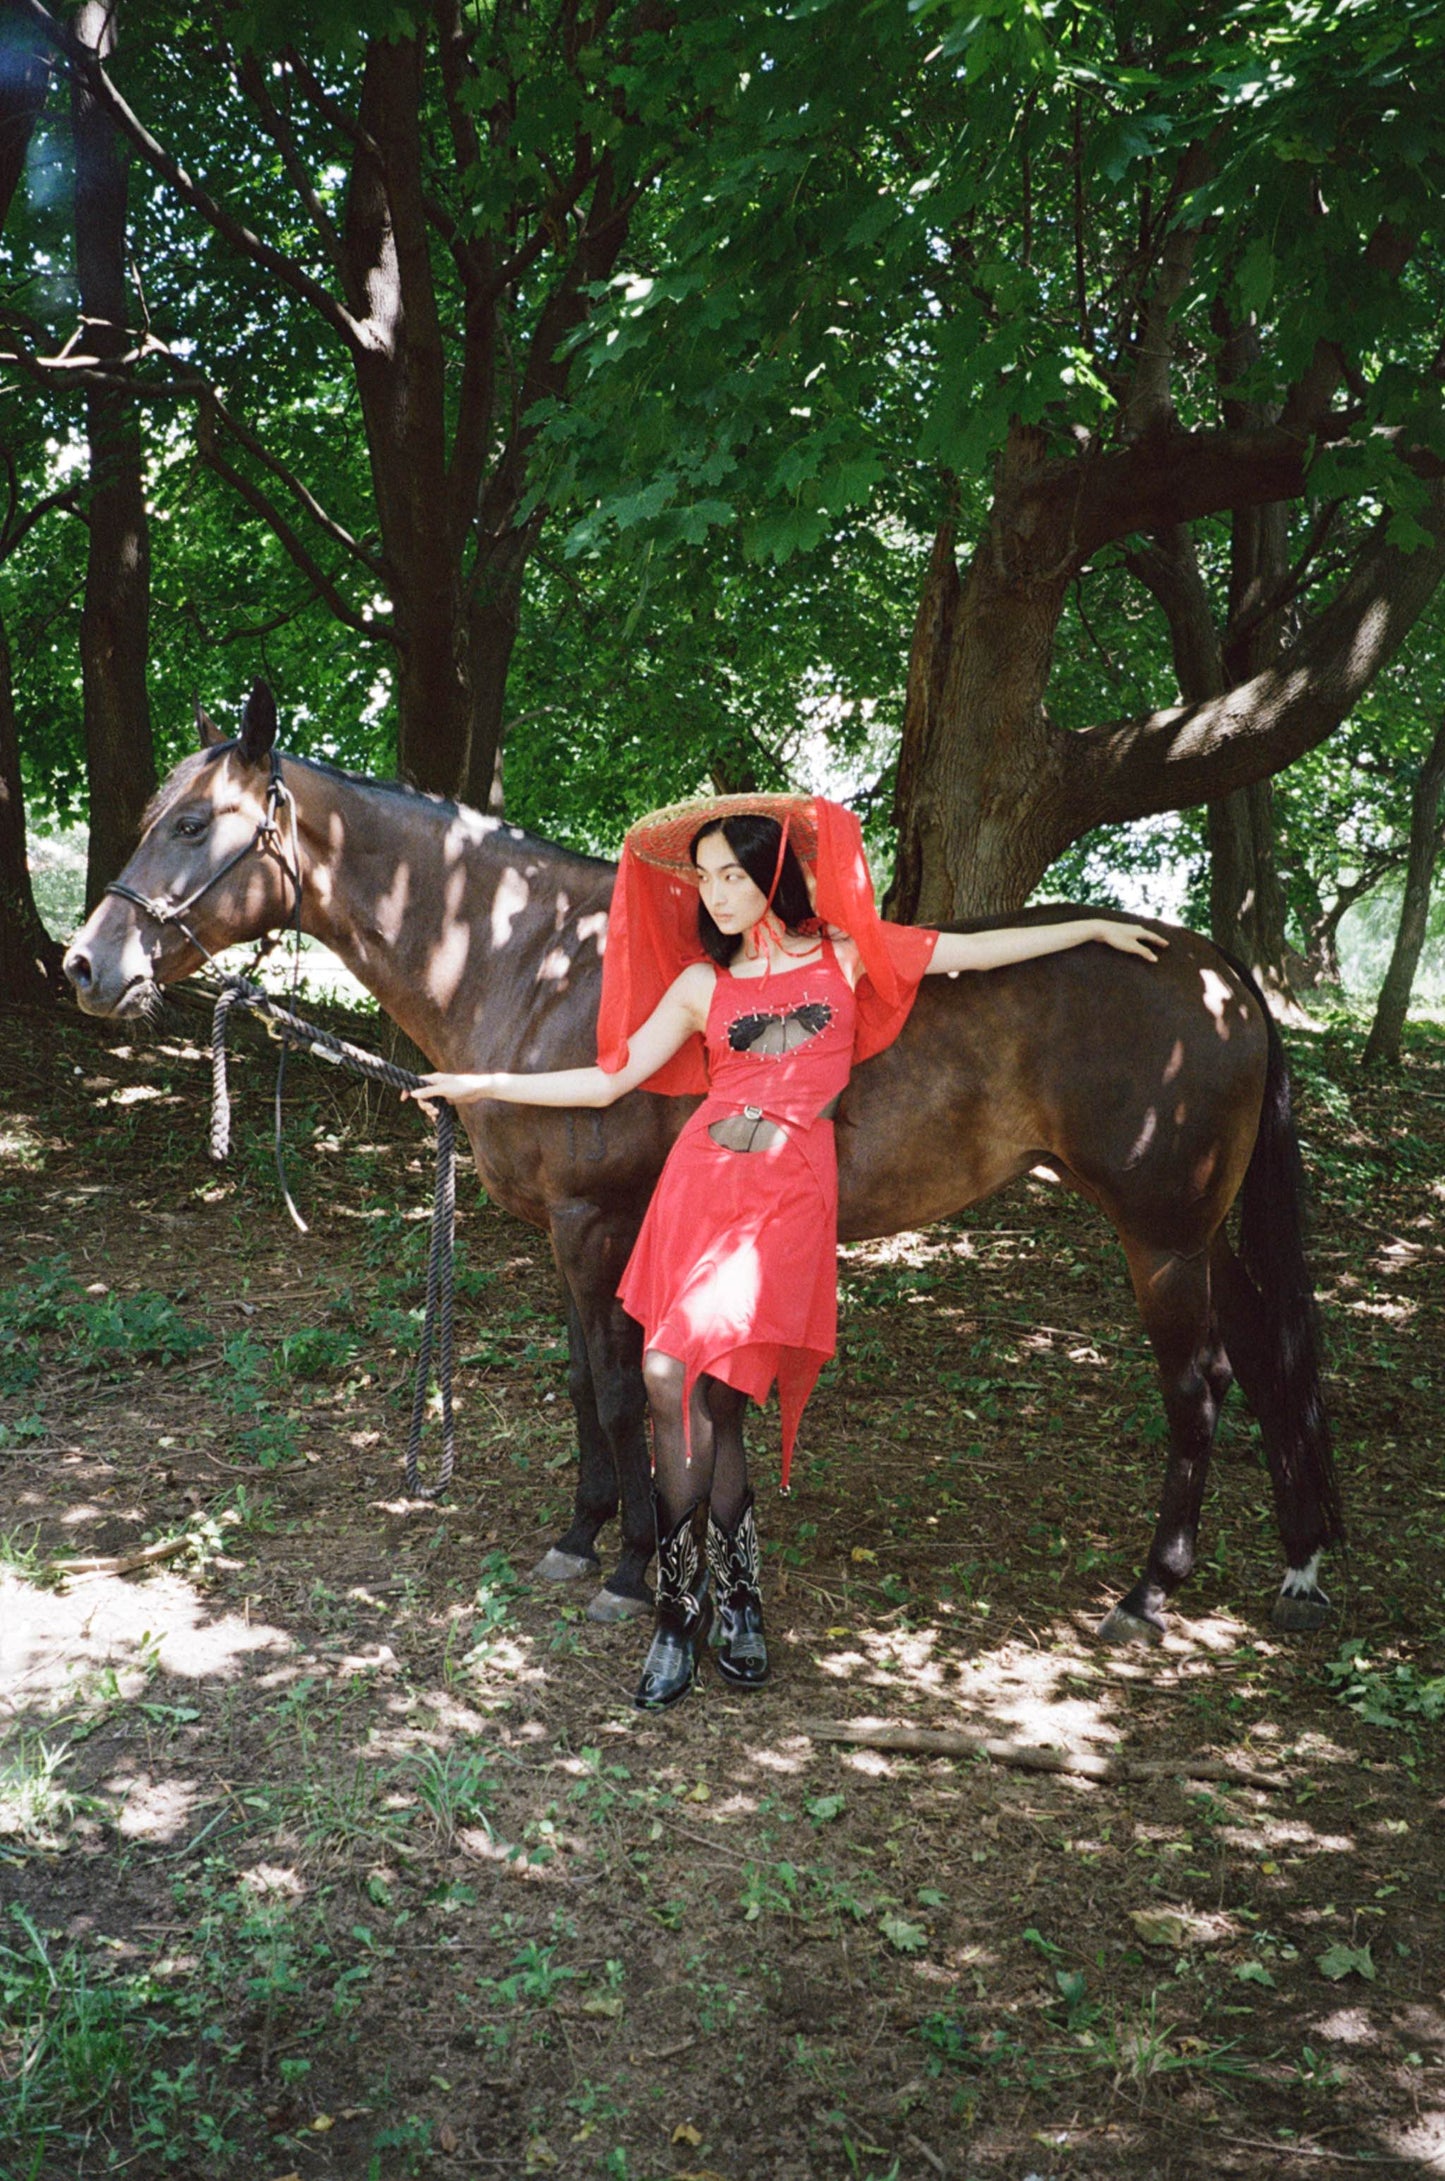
[1272, 1253]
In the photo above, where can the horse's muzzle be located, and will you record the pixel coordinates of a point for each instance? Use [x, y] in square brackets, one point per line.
[96, 997]
[111, 974]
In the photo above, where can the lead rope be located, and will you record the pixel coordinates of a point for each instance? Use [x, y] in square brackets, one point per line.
[438, 1320]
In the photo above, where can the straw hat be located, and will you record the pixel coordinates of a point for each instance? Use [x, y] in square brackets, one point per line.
[664, 838]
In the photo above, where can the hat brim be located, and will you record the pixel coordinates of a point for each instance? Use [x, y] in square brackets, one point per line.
[664, 838]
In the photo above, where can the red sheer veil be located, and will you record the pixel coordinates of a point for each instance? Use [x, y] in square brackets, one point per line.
[652, 927]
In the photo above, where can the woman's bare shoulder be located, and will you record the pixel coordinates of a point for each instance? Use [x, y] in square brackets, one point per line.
[694, 985]
[850, 961]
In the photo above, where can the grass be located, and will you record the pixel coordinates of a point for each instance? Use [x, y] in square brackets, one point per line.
[925, 1952]
[35, 1807]
[71, 2046]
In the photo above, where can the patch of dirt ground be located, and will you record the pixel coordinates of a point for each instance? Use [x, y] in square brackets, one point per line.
[330, 1844]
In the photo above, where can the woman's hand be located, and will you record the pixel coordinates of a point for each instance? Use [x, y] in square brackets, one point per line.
[1130, 939]
[456, 1090]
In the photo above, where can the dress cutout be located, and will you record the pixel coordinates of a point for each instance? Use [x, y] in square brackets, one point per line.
[735, 1269]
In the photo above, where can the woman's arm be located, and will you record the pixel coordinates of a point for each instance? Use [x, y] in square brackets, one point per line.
[1025, 942]
[681, 1011]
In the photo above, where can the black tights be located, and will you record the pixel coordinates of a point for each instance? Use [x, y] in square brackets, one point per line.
[718, 1471]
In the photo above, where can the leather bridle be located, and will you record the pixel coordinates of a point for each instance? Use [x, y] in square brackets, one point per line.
[267, 835]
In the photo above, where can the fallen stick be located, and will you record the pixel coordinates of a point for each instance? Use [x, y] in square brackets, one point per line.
[1036, 1756]
[127, 1562]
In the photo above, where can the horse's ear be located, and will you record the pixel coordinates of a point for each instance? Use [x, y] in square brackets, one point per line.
[207, 733]
[258, 724]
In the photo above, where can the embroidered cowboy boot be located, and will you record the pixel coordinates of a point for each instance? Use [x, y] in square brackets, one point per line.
[736, 1569]
[684, 1610]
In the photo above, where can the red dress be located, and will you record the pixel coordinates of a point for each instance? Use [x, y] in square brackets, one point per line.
[735, 1269]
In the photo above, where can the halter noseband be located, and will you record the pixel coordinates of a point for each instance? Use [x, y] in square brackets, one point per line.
[267, 834]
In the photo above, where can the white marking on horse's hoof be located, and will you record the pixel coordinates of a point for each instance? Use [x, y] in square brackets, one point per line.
[609, 1607]
[1301, 1605]
[1118, 1626]
[1300, 1612]
[564, 1567]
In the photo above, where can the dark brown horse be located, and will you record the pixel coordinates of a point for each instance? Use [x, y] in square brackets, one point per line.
[1159, 1092]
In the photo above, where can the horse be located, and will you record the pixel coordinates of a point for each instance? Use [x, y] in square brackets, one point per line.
[1159, 1092]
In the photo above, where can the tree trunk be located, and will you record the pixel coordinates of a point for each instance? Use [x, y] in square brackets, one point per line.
[492, 628]
[1383, 1043]
[115, 622]
[29, 957]
[401, 379]
[990, 789]
[1246, 900]
[981, 804]
[1322, 956]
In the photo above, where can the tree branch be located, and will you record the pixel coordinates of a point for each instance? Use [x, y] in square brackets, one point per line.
[14, 533]
[453, 48]
[337, 532]
[1149, 402]
[323, 585]
[253, 83]
[242, 238]
[1289, 589]
[1196, 753]
[1062, 510]
[330, 109]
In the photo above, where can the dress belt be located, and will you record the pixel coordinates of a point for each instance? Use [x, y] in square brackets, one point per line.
[716, 1109]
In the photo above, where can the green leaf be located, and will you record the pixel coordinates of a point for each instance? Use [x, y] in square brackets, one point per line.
[1253, 1972]
[1346, 1961]
[900, 1933]
[1406, 533]
[1256, 276]
[822, 1809]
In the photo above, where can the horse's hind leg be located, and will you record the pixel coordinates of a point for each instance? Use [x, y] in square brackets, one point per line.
[1194, 1375]
[1303, 1522]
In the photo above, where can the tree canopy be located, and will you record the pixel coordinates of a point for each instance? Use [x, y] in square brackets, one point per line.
[1029, 416]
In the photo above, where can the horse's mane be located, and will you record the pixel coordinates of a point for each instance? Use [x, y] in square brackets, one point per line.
[186, 773]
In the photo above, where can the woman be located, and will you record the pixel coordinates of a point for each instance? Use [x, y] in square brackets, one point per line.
[745, 959]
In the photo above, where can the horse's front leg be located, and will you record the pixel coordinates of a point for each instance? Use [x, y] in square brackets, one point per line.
[1194, 1374]
[591, 1248]
[595, 1499]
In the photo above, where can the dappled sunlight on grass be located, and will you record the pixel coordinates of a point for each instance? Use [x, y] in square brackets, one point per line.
[21, 1142]
[155, 1810]
[104, 1637]
[416, 1835]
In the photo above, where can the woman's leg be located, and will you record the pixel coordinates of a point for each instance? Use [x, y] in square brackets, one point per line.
[678, 1481]
[729, 1494]
[683, 1606]
[732, 1545]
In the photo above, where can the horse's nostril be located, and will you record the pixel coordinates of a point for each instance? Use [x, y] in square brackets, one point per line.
[77, 968]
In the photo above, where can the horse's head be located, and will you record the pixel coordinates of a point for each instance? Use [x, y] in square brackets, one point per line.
[212, 869]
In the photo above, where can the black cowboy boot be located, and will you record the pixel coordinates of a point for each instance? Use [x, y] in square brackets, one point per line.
[684, 1609]
[736, 1569]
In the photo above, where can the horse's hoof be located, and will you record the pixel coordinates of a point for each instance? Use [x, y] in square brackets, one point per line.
[564, 1567]
[1121, 1627]
[1300, 1612]
[610, 1607]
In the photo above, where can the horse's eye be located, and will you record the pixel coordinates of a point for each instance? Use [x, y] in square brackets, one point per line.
[191, 827]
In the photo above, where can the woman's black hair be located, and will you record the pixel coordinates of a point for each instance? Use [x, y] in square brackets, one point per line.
[754, 839]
